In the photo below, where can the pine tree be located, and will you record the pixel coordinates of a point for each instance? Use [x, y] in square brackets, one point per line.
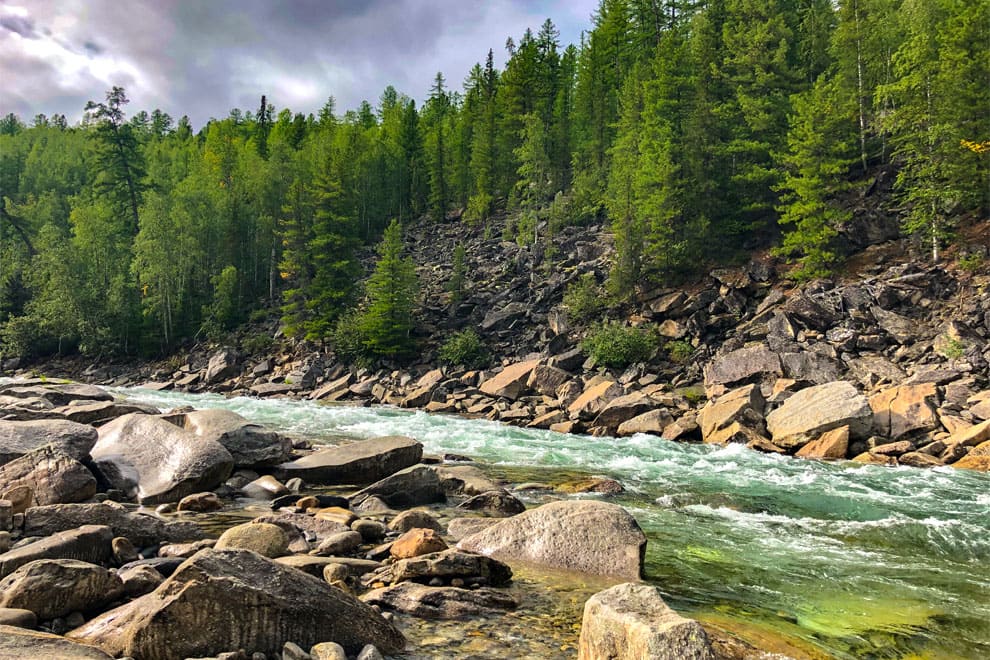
[387, 324]
[820, 152]
[119, 161]
[439, 107]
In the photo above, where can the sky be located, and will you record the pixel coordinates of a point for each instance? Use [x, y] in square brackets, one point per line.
[202, 58]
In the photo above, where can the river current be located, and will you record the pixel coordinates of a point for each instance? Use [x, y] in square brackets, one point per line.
[837, 559]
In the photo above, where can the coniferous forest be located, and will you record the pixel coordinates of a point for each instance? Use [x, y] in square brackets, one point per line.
[696, 130]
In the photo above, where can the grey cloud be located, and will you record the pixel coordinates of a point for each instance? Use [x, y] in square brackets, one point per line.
[20, 25]
[203, 58]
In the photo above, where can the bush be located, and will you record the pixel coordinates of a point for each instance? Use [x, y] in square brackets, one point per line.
[257, 344]
[465, 348]
[583, 299]
[679, 351]
[349, 339]
[613, 345]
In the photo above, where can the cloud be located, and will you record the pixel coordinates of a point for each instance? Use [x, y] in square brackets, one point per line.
[204, 58]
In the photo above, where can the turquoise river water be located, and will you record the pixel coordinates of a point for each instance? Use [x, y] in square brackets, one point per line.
[830, 559]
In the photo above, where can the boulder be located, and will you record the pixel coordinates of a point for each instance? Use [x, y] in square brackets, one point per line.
[428, 602]
[546, 380]
[89, 543]
[652, 422]
[413, 486]
[328, 651]
[814, 410]
[236, 599]
[296, 523]
[458, 528]
[417, 542]
[57, 394]
[265, 487]
[464, 480]
[25, 644]
[901, 328]
[264, 538]
[155, 461]
[831, 444]
[622, 409]
[358, 463]
[742, 364]
[100, 412]
[341, 543]
[743, 405]
[222, 365]
[20, 438]
[12, 616]
[511, 381]
[901, 410]
[316, 566]
[200, 503]
[580, 535]
[53, 476]
[143, 529]
[446, 565]
[252, 445]
[57, 587]
[632, 621]
[593, 399]
[494, 502]
[413, 519]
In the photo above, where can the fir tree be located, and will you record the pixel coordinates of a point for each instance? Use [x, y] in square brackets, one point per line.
[386, 325]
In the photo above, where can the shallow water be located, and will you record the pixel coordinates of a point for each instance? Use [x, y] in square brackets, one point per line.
[854, 561]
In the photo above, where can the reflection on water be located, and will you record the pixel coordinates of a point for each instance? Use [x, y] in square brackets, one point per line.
[855, 561]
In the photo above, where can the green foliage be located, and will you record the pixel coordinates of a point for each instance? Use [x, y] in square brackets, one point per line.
[970, 263]
[465, 348]
[224, 311]
[458, 271]
[386, 325]
[679, 351]
[257, 344]
[953, 349]
[612, 344]
[583, 299]
[348, 339]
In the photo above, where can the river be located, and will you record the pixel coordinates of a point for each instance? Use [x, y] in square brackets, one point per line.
[838, 559]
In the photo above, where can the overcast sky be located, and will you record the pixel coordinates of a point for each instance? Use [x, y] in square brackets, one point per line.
[203, 57]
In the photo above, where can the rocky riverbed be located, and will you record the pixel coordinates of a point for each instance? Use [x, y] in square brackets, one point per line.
[463, 559]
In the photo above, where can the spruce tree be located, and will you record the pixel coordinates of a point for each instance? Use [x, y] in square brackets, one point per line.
[386, 325]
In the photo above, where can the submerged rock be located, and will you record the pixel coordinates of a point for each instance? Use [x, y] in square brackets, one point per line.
[632, 621]
[440, 602]
[236, 599]
[587, 536]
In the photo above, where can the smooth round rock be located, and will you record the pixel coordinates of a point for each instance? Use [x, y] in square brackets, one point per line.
[124, 551]
[328, 651]
[13, 616]
[417, 542]
[415, 519]
[200, 502]
[371, 531]
[264, 538]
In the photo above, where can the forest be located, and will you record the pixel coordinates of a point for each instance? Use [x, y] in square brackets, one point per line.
[695, 130]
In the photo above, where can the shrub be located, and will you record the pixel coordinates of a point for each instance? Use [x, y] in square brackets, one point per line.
[349, 339]
[465, 348]
[679, 351]
[583, 299]
[257, 344]
[971, 262]
[613, 345]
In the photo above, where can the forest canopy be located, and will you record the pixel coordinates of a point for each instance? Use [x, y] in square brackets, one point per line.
[693, 129]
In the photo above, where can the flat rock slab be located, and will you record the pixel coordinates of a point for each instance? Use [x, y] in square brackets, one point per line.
[632, 621]
[447, 565]
[359, 463]
[156, 461]
[89, 543]
[419, 484]
[440, 602]
[142, 529]
[314, 565]
[236, 599]
[100, 412]
[577, 535]
[27, 644]
[20, 438]
[812, 411]
[58, 394]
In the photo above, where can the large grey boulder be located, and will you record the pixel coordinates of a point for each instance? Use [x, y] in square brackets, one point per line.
[445, 565]
[440, 602]
[57, 394]
[252, 445]
[27, 644]
[622, 409]
[632, 621]
[223, 364]
[741, 365]
[814, 410]
[579, 535]
[19, 438]
[511, 381]
[155, 461]
[53, 476]
[236, 599]
[89, 543]
[56, 587]
[419, 484]
[101, 412]
[143, 529]
[358, 463]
